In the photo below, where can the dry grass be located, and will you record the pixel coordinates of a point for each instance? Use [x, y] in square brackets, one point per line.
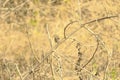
[59, 40]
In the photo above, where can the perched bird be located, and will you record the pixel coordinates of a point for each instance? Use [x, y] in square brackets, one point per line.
[56, 38]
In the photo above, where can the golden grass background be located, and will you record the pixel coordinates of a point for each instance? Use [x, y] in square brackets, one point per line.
[25, 42]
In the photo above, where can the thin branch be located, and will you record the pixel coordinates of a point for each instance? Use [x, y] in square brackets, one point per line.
[19, 73]
[67, 27]
[89, 22]
[58, 58]
[51, 45]
[97, 40]
[92, 56]
[31, 47]
[48, 33]
[80, 9]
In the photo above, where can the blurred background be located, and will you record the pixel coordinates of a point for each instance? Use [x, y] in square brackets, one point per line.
[30, 30]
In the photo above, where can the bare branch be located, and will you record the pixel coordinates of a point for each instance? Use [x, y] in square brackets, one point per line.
[19, 73]
[89, 22]
[48, 33]
[51, 45]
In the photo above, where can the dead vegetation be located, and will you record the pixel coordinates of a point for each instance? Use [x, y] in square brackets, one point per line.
[59, 40]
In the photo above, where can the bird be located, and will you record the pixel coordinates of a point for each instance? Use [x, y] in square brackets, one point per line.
[56, 38]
